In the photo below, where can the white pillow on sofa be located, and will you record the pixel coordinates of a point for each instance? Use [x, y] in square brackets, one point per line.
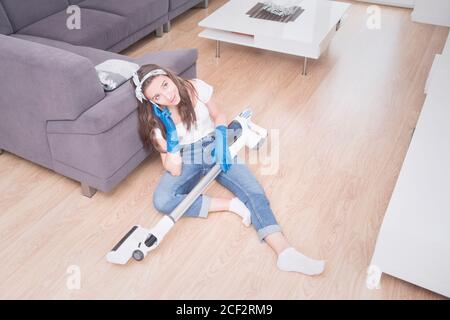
[113, 73]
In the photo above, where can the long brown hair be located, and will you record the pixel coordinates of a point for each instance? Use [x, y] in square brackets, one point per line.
[148, 121]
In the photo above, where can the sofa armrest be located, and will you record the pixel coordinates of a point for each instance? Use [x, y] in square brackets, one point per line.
[175, 60]
[116, 106]
[120, 103]
[48, 82]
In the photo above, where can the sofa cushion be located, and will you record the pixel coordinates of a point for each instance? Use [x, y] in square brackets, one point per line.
[61, 86]
[177, 61]
[22, 13]
[139, 12]
[99, 29]
[95, 55]
[5, 25]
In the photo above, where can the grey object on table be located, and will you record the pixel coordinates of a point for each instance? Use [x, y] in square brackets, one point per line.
[263, 11]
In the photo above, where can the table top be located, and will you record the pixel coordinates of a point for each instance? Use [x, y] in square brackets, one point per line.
[312, 26]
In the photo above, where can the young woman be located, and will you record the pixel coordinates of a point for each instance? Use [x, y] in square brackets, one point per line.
[181, 120]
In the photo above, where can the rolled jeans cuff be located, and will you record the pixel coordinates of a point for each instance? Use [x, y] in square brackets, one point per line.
[264, 232]
[206, 203]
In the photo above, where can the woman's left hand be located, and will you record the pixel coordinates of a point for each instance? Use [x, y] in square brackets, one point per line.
[221, 150]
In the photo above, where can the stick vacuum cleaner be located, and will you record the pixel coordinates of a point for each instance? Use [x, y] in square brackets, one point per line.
[138, 242]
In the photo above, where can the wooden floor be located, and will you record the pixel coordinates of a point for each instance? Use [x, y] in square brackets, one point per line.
[343, 132]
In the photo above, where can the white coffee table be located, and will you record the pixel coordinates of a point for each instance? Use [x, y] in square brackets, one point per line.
[308, 36]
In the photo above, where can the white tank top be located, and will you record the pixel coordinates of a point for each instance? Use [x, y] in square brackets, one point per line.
[204, 124]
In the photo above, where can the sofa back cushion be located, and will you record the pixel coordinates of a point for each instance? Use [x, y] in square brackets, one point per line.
[22, 13]
[5, 25]
[48, 82]
[75, 1]
[41, 83]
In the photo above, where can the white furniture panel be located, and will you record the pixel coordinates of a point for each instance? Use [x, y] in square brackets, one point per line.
[432, 11]
[414, 240]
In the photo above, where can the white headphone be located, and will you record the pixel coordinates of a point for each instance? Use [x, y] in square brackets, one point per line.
[138, 91]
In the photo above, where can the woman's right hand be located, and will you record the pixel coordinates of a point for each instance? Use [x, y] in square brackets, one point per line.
[173, 144]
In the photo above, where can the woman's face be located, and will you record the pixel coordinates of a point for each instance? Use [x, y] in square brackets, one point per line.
[163, 91]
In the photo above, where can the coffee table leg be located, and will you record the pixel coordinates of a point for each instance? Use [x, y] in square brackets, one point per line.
[305, 62]
[217, 49]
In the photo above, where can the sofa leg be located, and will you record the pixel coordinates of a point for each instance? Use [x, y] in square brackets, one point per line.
[166, 26]
[159, 32]
[203, 4]
[87, 190]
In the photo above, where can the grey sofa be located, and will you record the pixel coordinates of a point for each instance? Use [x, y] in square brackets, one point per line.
[53, 109]
[109, 25]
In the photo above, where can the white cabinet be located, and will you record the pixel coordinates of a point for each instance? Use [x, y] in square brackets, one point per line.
[432, 11]
[414, 240]
[397, 3]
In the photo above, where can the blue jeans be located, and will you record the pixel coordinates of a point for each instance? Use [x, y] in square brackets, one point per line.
[197, 161]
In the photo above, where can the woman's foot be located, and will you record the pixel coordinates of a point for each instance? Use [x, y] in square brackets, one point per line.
[238, 207]
[293, 260]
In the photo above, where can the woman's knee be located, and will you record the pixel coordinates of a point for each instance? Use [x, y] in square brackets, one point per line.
[162, 202]
[257, 199]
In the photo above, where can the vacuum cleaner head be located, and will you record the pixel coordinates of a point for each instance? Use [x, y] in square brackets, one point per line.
[123, 250]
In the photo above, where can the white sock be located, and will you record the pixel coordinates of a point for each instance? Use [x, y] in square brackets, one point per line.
[293, 260]
[238, 207]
